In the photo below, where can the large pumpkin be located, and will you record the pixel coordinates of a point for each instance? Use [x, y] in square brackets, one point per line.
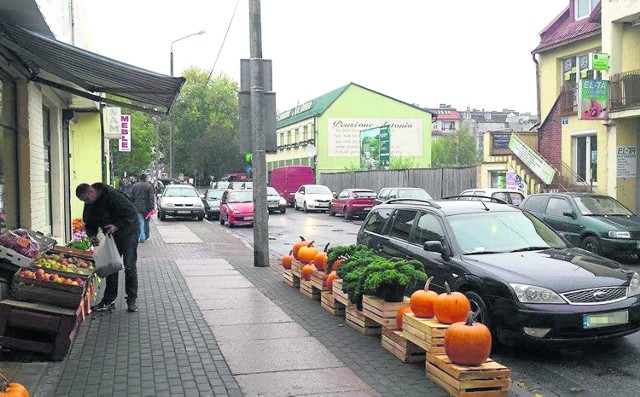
[321, 257]
[298, 245]
[451, 307]
[306, 271]
[287, 260]
[467, 343]
[422, 301]
[332, 276]
[307, 253]
[403, 310]
[12, 389]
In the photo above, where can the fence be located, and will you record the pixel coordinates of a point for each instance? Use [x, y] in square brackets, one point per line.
[439, 182]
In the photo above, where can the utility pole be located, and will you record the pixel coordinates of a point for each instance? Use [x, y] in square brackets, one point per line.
[258, 158]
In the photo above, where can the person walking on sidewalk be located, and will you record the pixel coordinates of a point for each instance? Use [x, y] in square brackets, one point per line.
[143, 197]
[113, 212]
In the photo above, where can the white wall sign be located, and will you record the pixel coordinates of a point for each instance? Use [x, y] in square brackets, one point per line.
[532, 159]
[627, 159]
[344, 136]
[125, 133]
[111, 122]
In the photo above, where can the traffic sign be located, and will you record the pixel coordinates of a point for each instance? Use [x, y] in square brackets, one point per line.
[248, 169]
[247, 157]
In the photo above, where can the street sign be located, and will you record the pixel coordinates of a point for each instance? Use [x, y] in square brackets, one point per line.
[111, 122]
[600, 61]
[248, 169]
[247, 157]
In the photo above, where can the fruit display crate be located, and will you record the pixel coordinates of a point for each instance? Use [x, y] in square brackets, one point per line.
[74, 269]
[329, 303]
[485, 380]
[288, 279]
[319, 280]
[306, 288]
[383, 313]
[337, 292]
[72, 251]
[357, 320]
[396, 343]
[427, 333]
[44, 291]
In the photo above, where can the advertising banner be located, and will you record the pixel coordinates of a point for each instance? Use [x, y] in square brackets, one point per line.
[111, 122]
[531, 159]
[344, 136]
[375, 146]
[627, 160]
[124, 143]
[593, 99]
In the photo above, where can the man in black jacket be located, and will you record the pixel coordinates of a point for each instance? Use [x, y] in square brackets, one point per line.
[111, 210]
[144, 199]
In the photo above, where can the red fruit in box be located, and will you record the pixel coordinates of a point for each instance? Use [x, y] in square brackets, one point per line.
[52, 277]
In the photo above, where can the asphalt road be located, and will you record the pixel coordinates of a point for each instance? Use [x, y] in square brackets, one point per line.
[603, 369]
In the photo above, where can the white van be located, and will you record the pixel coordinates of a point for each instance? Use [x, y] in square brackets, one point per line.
[510, 196]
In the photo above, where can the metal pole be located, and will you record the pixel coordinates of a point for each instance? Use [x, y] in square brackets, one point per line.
[258, 158]
[171, 147]
[156, 168]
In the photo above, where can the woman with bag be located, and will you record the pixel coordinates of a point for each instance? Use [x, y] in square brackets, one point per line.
[113, 212]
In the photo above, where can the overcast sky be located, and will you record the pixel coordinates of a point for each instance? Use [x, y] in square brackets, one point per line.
[459, 52]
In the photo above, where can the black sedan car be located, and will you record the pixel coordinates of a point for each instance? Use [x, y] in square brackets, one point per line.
[523, 280]
[211, 200]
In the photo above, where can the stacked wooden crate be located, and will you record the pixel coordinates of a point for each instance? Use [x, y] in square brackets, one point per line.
[426, 333]
[485, 380]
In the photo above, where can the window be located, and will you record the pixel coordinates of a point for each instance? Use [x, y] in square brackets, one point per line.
[384, 193]
[586, 158]
[584, 8]
[289, 141]
[8, 156]
[536, 203]
[428, 229]
[343, 194]
[377, 220]
[516, 198]
[46, 134]
[393, 194]
[402, 223]
[498, 179]
[501, 196]
[305, 132]
[297, 135]
[558, 206]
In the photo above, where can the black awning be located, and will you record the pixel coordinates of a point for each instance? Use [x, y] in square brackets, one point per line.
[90, 71]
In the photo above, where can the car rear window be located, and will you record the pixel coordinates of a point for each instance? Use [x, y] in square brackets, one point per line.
[364, 194]
[377, 220]
[536, 203]
[402, 223]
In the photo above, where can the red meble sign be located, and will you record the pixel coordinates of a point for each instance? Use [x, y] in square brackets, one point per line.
[125, 133]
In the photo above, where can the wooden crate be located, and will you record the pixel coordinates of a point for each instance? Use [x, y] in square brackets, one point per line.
[356, 320]
[330, 304]
[397, 344]
[319, 280]
[289, 279]
[307, 290]
[488, 379]
[427, 333]
[337, 292]
[383, 313]
[41, 291]
[296, 269]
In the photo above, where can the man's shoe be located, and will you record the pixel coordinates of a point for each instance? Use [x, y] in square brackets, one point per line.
[104, 307]
[132, 306]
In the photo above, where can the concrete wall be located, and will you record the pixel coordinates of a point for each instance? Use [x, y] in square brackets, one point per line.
[86, 160]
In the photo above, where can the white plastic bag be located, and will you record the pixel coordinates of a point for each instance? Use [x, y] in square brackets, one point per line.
[108, 259]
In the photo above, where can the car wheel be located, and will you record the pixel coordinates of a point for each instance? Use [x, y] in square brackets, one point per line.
[162, 216]
[345, 213]
[200, 218]
[209, 217]
[283, 210]
[295, 205]
[479, 308]
[270, 211]
[331, 213]
[305, 209]
[231, 225]
[592, 244]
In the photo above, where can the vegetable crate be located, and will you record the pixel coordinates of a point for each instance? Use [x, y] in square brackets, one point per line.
[486, 380]
[329, 303]
[319, 280]
[397, 344]
[383, 313]
[38, 327]
[288, 279]
[72, 251]
[357, 320]
[58, 294]
[296, 269]
[338, 294]
[426, 333]
[306, 289]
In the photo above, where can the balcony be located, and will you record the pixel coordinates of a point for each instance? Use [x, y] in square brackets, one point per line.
[624, 91]
[569, 99]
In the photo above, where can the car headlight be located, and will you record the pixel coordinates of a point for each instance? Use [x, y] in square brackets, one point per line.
[283, 201]
[619, 234]
[198, 205]
[634, 285]
[533, 294]
[169, 204]
[237, 212]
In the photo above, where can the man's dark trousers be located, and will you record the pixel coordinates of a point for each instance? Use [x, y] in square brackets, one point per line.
[127, 246]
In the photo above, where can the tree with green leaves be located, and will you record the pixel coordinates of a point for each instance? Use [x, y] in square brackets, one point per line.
[143, 140]
[457, 150]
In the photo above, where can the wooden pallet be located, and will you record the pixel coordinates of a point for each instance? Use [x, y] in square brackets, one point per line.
[397, 344]
[356, 320]
[329, 303]
[427, 333]
[289, 279]
[307, 290]
[383, 313]
[337, 292]
[486, 380]
[319, 280]
[296, 269]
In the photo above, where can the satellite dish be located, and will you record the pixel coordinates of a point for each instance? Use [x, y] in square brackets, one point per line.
[310, 150]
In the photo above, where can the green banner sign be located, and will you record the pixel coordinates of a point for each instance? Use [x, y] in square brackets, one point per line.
[600, 62]
[375, 148]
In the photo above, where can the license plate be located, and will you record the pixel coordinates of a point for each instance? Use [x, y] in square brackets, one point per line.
[273, 205]
[605, 319]
[184, 212]
[367, 208]
[248, 218]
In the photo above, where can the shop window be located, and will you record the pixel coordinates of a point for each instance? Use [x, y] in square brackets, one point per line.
[498, 179]
[9, 208]
[586, 158]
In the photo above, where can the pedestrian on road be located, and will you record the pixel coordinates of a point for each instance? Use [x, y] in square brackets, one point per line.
[143, 197]
[113, 212]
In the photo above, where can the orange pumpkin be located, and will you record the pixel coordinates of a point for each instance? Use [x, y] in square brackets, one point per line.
[422, 301]
[298, 245]
[451, 307]
[307, 253]
[337, 263]
[467, 343]
[12, 389]
[287, 260]
[321, 257]
[403, 310]
[332, 276]
[306, 271]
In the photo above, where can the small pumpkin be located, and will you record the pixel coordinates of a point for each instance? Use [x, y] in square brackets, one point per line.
[467, 343]
[12, 389]
[298, 245]
[451, 307]
[332, 276]
[306, 271]
[307, 253]
[422, 301]
[321, 257]
[287, 260]
[337, 263]
[401, 312]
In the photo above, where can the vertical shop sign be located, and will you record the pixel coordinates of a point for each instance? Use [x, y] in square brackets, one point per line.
[125, 133]
[593, 99]
[111, 122]
[627, 160]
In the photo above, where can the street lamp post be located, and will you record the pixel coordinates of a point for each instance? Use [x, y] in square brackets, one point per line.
[171, 138]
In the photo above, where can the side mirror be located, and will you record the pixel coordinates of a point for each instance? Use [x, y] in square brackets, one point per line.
[335, 195]
[202, 196]
[570, 214]
[436, 246]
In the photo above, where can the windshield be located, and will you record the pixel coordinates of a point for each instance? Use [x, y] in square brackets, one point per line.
[181, 192]
[364, 194]
[419, 194]
[317, 190]
[241, 197]
[502, 232]
[601, 205]
[271, 191]
[222, 185]
[248, 185]
[214, 194]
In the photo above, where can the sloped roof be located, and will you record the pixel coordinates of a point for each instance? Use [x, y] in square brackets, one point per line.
[446, 114]
[564, 29]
